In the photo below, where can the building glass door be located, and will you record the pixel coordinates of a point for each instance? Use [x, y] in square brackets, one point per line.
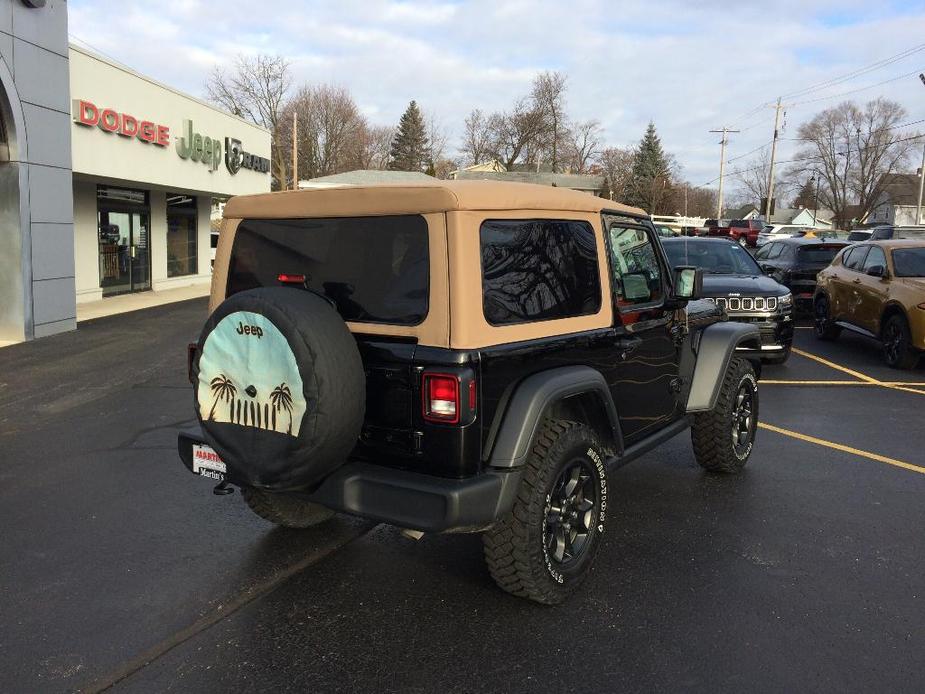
[124, 240]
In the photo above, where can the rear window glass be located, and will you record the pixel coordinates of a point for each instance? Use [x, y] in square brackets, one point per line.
[818, 254]
[535, 270]
[374, 269]
[858, 235]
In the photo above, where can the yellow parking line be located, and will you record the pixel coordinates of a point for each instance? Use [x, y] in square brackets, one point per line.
[856, 374]
[843, 448]
[773, 382]
[837, 367]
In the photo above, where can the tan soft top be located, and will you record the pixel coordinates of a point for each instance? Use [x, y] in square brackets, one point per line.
[416, 198]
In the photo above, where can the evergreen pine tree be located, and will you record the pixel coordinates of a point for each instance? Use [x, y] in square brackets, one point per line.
[651, 175]
[806, 196]
[409, 148]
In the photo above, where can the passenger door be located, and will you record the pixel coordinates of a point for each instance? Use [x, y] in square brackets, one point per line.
[845, 296]
[872, 291]
[648, 334]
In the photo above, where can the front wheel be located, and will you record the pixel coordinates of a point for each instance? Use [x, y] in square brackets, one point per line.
[285, 509]
[898, 351]
[723, 438]
[544, 547]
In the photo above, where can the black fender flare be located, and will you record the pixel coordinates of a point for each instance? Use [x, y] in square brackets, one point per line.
[533, 396]
[715, 348]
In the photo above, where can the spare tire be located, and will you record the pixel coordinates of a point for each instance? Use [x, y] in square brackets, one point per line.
[280, 387]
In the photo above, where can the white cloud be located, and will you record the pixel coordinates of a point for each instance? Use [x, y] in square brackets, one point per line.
[689, 67]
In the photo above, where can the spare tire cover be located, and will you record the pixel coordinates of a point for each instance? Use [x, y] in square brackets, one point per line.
[280, 387]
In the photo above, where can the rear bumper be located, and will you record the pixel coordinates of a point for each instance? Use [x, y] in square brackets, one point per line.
[406, 499]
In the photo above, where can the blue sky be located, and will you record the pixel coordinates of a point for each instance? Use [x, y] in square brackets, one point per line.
[690, 67]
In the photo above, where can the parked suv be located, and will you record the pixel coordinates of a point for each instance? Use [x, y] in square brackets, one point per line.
[876, 289]
[734, 282]
[743, 231]
[462, 356]
[795, 262]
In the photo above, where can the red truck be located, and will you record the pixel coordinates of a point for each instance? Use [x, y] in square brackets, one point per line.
[744, 231]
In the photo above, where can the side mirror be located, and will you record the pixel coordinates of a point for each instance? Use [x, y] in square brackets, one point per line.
[688, 283]
[876, 271]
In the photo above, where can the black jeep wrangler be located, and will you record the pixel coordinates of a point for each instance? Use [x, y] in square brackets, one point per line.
[458, 357]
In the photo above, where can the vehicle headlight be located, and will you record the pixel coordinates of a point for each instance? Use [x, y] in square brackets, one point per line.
[785, 301]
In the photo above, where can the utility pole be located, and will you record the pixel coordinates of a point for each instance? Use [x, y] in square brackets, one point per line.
[918, 209]
[767, 206]
[295, 151]
[722, 169]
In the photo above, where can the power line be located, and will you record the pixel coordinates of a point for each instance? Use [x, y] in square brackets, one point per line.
[801, 159]
[855, 91]
[872, 132]
[856, 73]
[742, 156]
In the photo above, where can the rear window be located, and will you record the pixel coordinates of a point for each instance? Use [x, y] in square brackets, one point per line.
[538, 269]
[909, 262]
[858, 235]
[374, 269]
[817, 254]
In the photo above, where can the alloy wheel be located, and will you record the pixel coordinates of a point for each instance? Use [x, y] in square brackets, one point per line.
[742, 416]
[570, 512]
[893, 342]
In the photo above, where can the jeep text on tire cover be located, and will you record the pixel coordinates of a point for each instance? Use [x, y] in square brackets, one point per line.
[461, 356]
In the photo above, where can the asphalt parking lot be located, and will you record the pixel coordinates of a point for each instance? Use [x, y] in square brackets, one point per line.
[122, 570]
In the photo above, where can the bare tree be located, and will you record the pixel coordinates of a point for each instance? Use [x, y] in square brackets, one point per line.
[372, 147]
[689, 201]
[255, 88]
[329, 128]
[584, 146]
[617, 166]
[753, 176]
[478, 138]
[548, 96]
[436, 140]
[513, 132]
[851, 149]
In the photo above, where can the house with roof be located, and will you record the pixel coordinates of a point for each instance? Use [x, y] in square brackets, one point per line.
[803, 216]
[898, 200]
[743, 212]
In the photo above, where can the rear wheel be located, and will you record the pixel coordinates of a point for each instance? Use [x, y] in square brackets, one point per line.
[723, 438]
[898, 351]
[823, 327]
[544, 547]
[285, 509]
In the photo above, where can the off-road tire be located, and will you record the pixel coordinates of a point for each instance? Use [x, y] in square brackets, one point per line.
[901, 355]
[823, 328]
[515, 547]
[284, 509]
[712, 432]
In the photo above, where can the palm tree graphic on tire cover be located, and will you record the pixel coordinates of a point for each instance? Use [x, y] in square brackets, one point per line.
[281, 398]
[222, 389]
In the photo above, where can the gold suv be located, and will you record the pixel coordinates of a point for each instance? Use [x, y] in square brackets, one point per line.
[876, 289]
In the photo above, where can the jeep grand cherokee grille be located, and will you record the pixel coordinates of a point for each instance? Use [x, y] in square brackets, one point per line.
[745, 304]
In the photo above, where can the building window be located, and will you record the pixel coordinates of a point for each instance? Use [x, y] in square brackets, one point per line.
[538, 269]
[182, 228]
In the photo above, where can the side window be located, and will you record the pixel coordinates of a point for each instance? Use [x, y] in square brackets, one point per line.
[637, 275]
[538, 269]
[874, 257]
[763, 252]
[855, 258]
[774, 251]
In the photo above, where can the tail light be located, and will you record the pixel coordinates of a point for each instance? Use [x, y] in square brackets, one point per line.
[287, 278]
[441, 398]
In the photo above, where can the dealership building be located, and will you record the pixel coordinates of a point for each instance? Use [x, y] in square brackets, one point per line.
[106, 176]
